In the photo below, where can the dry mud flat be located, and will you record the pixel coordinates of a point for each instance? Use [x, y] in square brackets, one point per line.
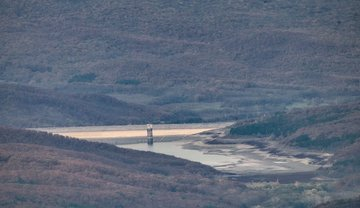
[133, 131]
[235, 159]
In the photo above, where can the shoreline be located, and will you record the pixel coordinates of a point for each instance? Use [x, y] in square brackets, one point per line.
[249, 159]
[275, 148]
[130, 127]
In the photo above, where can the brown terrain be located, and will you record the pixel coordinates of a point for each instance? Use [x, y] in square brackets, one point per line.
[201, 61]
[288, 71]
[43, 170]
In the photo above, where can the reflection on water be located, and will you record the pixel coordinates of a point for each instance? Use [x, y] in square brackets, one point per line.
[239, 158]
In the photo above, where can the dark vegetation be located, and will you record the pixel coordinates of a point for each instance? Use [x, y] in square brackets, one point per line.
[223, 60]
[89, 77]
[341, 203]
[23, 106]
[334, 129]
[328, 127]
[128, 82]
[346, 165]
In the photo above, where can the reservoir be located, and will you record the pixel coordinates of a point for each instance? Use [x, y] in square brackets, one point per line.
[233, 158]
[189, 141]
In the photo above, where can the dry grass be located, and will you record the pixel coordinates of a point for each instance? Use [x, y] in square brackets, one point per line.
[252, 57]
[37, 169]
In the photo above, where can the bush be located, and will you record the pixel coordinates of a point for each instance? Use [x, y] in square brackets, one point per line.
[128, 82]
[306, 141]
[88, 77]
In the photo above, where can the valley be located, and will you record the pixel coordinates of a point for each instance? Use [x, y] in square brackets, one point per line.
[257, 169]
[189, 141]
[185, 62]
[254, 103]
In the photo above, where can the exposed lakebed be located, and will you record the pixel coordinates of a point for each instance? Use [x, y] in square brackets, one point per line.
[232, 158]
[184, 141]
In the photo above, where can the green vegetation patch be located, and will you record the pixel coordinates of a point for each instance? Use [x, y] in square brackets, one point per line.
[88, 77]
[277, 125]
[284, 124]
[39, 68]
[128, 82]
[353, 162]
[306, 141]
[74, 205]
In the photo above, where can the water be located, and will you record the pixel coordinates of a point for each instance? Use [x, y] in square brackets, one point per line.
[235, 158]
[182, 140]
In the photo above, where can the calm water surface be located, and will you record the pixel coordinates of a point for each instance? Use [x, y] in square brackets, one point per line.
[179, 140]
[235, 158]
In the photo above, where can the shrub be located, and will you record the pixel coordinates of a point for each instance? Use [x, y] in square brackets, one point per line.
[88, 77]
[128, 82]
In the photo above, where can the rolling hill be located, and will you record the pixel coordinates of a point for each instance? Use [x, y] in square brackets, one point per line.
[39, 169]
[111, 62]
[343, 203]
[223, 60]
[24, 106]
[328, 127]
[331, 129]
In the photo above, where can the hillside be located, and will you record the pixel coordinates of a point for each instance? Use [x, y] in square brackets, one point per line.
[328, 127]
[220, 59]
[288, 71]
[39, 169]
[344, 203]
[24, 106]
[29, 107]
[333, 129]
